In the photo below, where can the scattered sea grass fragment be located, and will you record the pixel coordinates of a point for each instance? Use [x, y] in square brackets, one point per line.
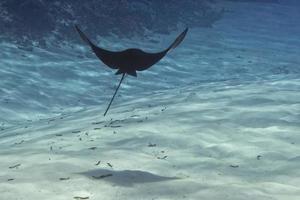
[15, 166]
[16, 143]
[58, 135]
[93, 148]
[258, 157]
[98, 163]
[112, 122]
[115, 126]
[110, 165]
[97, 128]
[116, 121]
[51, 120]
[10, 179]
[95, 123]
[80, 198]
[64, 179]
[151, 145]
[162, 158]
[234, 166]
[102, 176]
[76, 131]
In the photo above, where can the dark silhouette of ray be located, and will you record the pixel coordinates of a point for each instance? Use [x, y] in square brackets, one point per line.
[130, 60]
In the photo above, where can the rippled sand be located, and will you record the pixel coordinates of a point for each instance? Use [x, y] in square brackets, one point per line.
[214, 141]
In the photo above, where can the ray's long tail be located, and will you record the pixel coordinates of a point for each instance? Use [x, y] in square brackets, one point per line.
[123, 75]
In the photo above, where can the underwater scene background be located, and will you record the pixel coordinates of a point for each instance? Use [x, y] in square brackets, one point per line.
[216, 118]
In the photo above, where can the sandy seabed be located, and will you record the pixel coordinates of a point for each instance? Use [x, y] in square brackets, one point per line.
[212, 141]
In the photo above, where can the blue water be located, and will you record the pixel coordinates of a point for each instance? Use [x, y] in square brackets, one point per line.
[251, 42]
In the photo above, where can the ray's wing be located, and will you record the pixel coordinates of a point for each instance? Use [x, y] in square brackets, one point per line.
[142, 60]
[146, 60]
[107, 57]
[178, 40]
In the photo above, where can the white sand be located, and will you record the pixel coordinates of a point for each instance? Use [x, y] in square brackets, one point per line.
[217, 125]
[211, 136]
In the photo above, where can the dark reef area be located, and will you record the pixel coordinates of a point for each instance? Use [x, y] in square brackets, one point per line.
[40, 22]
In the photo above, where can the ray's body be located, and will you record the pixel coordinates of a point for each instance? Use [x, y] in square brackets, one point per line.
[130, 60]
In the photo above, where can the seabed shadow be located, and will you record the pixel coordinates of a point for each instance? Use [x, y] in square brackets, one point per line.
[125, 178]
